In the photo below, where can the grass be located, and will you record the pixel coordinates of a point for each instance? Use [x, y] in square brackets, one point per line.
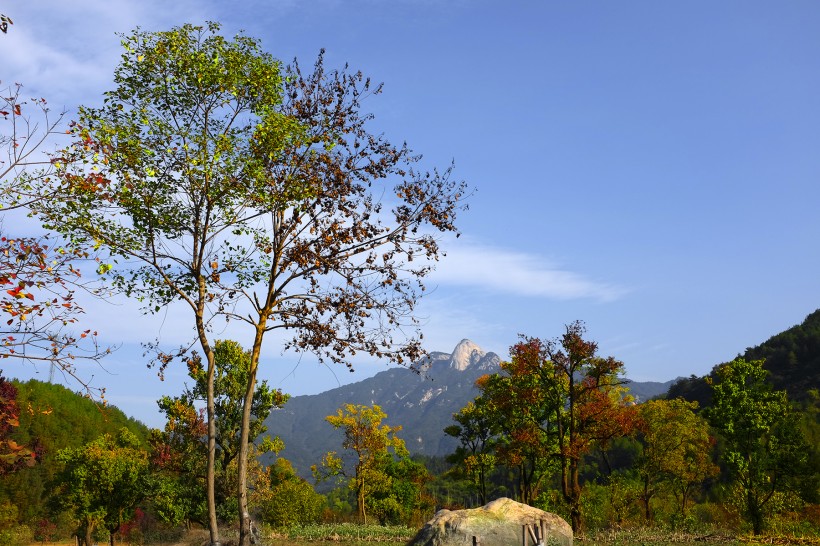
[351, 534]
[662, 537]
[342, 532]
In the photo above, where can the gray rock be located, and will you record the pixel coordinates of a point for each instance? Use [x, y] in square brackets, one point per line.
[499, 523]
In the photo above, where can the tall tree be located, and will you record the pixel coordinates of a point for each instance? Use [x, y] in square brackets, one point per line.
[373, 445]
[765, 448]
[164, 175]
[282, 214]
[102, 482]
[591, 409]
[677, 450]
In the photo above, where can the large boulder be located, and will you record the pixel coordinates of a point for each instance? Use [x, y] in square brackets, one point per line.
[499, 523]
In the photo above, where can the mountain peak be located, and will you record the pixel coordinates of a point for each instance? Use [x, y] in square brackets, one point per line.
[465, 353]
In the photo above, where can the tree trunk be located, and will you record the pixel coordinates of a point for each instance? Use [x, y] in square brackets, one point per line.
[646, 497]
[89, 529]
[213, 526]
[755, 512]
[575, 496]
[244, 433]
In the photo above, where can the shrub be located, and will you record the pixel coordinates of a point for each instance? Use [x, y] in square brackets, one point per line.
[291, 502]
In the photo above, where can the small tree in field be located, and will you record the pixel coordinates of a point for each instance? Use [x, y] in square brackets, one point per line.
[373, 446]
[474, 429]
[256, 198]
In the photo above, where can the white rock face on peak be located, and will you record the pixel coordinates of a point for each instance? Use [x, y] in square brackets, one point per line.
[466, 353]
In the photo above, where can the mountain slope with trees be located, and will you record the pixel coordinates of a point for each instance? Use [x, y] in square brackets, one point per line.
[51, 418]
[791, 357]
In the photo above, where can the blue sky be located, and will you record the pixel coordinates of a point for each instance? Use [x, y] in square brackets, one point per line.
[648, 167]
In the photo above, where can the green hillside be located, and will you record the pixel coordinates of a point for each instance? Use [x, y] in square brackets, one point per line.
[51, 418]
[792, 359]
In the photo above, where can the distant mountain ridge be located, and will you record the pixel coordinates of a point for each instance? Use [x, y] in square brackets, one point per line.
[422, 403]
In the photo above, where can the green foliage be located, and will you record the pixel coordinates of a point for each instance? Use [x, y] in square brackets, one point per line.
[180, 451]
[474, 429]
[286, 499]
[349, 533]
[102, 482]
[676, 451]
[765, 449]
[232, 371]
[402, 498]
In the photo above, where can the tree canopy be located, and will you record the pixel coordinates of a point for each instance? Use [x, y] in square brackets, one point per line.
[765, 449]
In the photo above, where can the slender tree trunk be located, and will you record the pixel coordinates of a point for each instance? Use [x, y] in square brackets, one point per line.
[647, 496]
[575, 496]
[213, 525]
[244, 438]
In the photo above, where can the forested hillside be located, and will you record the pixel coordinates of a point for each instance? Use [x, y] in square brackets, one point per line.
[51, 418]
[791, 357]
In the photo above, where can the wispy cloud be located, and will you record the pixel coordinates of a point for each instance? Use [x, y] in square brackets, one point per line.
[519, 273]
[66, 51]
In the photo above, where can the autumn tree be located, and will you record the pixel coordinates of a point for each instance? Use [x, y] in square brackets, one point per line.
[677, 450]
[39, 275]
[521, 424]
[257, 198]
[12, 454]
[765, 449]
[102, 482]
[590, 405]
[373, 446]
[558, 400]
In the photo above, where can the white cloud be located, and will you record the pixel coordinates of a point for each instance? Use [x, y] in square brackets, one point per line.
[513, 272]
[67, 51]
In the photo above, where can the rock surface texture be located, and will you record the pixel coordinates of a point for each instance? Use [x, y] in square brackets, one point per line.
[499, 523]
